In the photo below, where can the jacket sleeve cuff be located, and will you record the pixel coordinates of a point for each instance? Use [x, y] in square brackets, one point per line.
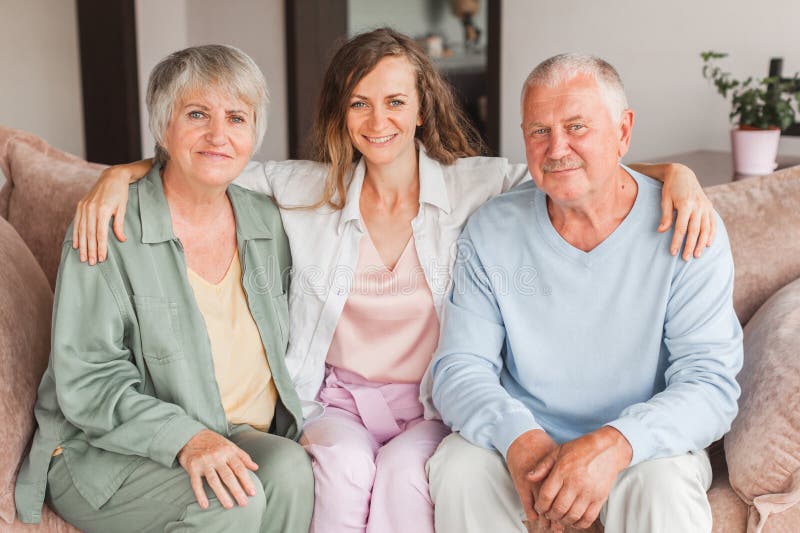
[638, 436]
[509, 427]
[172, 437]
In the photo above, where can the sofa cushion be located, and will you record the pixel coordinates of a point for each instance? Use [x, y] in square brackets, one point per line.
[763, 221]
[45, 185]
[25, 310]
[728, 511]
[763, 446]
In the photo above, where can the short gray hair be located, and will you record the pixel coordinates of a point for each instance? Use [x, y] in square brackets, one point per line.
[217, 66]
[563, 67]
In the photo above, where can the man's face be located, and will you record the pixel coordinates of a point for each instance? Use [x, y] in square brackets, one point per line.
[572, 144]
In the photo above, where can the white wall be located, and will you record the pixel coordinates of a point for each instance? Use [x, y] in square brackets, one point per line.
[255, 26]
[40, 90]
[160, 30]
[655, 46]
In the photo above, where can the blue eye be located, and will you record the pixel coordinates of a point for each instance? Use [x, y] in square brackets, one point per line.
[539, 132]
[575, 127]
[196, 114]
[358, 105]
[396, 103]
[237, 119]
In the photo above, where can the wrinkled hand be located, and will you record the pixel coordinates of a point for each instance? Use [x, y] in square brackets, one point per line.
[108, 197]
[576, 478]
[683, 193]
[523, 455]
[211, 456]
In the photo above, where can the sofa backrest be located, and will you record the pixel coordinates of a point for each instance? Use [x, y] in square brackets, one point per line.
[762, 216]
[43, 186]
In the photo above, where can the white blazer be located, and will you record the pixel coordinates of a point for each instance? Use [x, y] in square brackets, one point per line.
[324, 244]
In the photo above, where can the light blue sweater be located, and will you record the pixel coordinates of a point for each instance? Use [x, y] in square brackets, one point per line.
[538, 334]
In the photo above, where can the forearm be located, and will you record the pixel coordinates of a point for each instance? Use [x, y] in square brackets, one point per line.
[131, 172]
[471, 400]
[659, 171]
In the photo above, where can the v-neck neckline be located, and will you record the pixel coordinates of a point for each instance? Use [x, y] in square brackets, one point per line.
[625, 228]
[221, 282]
[380, 259]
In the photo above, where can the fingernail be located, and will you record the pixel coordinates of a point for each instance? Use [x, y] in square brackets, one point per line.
[83, 258]
[91, 262]
[673, 251]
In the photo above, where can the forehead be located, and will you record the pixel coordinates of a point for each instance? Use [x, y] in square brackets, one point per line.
[392, 74]
[578, 96]
[212, 97]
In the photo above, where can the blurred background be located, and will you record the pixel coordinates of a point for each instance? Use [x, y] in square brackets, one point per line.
[74, 71]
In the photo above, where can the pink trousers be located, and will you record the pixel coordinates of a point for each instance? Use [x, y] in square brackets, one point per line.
[368, 452]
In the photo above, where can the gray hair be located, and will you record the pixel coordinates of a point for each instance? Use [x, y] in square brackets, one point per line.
[222, 67]
[563, 67]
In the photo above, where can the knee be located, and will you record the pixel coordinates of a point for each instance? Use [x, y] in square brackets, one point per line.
[661, 482]
[460, 469]
[248, 517]
[401, 466]
[291, 474]
[341, 461]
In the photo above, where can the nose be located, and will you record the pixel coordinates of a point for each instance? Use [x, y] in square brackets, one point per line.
[377, 119]
[217, 130]
[559, 144]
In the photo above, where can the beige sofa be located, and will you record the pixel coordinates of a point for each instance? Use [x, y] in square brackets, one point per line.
[761, 483]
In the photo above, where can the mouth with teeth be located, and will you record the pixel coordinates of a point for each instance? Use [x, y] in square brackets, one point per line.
[380, 140]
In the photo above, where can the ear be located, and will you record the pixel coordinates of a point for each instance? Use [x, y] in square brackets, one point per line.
[625, 128]
[419, 120]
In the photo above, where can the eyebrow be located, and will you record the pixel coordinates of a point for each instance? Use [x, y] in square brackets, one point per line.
[570, 119]
[206, 108]
[395, 95]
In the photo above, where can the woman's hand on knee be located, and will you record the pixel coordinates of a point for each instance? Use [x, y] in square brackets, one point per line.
[224, 465]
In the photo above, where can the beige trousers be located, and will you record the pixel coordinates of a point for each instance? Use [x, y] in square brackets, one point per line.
[473, 492]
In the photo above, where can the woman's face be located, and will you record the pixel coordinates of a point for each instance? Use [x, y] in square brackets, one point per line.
[383, 112]
[209, 137]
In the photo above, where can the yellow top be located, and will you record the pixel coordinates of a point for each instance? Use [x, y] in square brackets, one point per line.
[245, 382]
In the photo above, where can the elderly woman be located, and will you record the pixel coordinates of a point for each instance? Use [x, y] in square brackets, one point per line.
[148, 394]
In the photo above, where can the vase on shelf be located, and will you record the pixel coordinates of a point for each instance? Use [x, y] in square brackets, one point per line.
[754, 150]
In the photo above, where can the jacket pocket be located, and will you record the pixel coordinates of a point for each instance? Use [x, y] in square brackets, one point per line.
[159, 328]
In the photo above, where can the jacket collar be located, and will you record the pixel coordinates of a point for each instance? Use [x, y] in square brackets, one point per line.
[432, 189]
[157, 221]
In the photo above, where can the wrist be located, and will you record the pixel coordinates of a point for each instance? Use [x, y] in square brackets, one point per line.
[612, 439]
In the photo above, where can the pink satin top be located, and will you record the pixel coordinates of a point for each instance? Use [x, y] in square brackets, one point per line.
[388, 330]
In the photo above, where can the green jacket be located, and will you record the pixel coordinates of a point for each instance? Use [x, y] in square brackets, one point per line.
[130, 375]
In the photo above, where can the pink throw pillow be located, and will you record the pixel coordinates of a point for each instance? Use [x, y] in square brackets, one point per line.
[25, 311]
[763, 446]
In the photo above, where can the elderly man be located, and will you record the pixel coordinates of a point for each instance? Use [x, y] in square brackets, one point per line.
[583, 367]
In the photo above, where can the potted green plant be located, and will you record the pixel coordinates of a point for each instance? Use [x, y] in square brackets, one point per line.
[761, 108]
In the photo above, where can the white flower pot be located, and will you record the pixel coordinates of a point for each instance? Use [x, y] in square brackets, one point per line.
[754, 151]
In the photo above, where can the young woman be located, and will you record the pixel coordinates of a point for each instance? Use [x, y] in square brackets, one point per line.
[371, 227]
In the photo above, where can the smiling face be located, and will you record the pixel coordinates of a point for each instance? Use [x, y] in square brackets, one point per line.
[572, 144]
[383, 113]
[209, 138]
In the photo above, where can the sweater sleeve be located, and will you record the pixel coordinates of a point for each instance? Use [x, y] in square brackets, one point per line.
[466, 370]
[99, 388]
[704, 339]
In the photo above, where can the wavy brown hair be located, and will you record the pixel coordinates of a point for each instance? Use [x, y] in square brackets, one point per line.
[446, 132]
